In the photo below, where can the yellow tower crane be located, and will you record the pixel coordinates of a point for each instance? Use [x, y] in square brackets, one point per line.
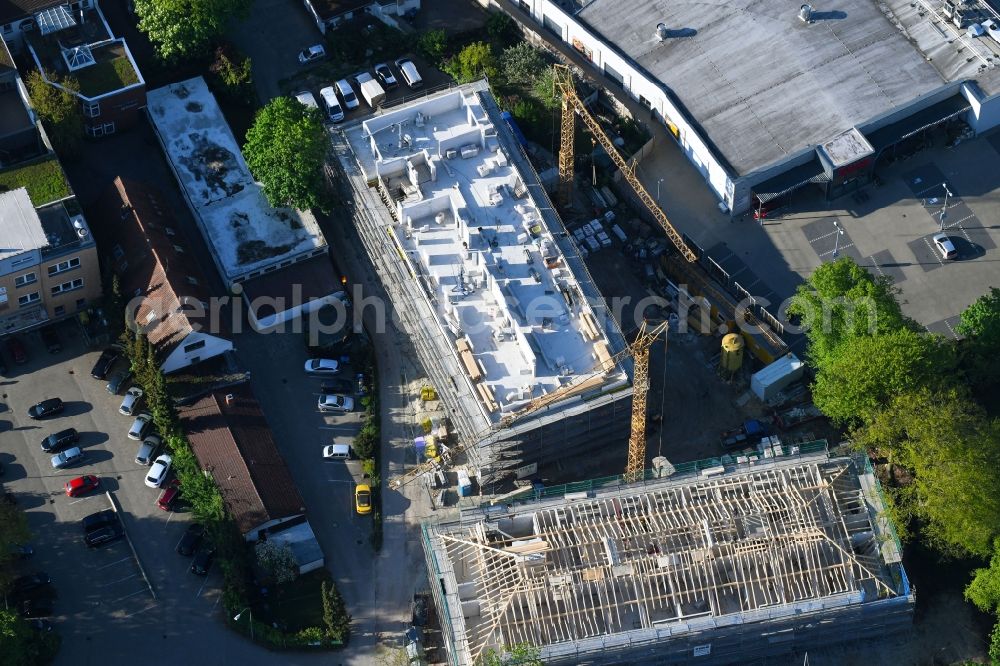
[573, 105]
[636, 465]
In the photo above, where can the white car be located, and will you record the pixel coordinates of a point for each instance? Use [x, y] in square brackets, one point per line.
[945, 246]
[158, 472]
[333, 109]
[347, 94]
[335, 402]
[314, 52]
[140, 426]
[322, 366]
[131, 401]
[306, 99]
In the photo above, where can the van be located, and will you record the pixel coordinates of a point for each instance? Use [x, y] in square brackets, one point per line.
[339, 450]
[306, 99]
[409, 72]
[331, 104]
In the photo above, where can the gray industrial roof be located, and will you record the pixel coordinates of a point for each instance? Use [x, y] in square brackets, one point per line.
[20, 228]
[763, 84]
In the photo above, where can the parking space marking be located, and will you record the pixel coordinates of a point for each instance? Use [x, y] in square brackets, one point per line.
[203, 584]
[124, 559]
[937, 255]
[170, 515]
[152, 605]
[77, 501]
[142, 591]
[120, 580]
[840, 249]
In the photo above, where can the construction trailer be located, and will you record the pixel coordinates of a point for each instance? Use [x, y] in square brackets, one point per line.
[736, 562]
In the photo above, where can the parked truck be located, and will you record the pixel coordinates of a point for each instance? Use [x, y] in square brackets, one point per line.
[747, 435]
[370, 89]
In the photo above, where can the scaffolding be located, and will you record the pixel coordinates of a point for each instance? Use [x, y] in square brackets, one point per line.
[573, 574]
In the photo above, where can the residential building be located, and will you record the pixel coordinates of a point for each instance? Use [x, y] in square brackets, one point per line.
[73, 40]
[48, 259]
[734, 563]
[331, 13]
[260, 251]
[504, 315]
[168, 296]
[233, 444]
[769, 98]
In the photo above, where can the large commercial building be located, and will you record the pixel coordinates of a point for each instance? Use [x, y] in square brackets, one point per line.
[734, 563]
[505, 318]
[765, 98]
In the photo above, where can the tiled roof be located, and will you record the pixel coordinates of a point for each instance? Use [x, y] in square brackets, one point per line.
[233, 442]
[152, 266]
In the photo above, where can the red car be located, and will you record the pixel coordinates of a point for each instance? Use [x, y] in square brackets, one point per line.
[169, 496]
[81, 485]
[17, 350]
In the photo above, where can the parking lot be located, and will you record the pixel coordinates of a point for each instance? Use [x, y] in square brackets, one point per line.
[101, 595]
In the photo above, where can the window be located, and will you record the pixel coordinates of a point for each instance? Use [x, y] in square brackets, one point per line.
[25, 280]
[151, 316]
[3, 296]
[28, 299]
[59, 311]
[117, 252]
[81, 303]
[68, 286]
[194, 346]
[192, 280]
[178, 248]
[91, 110]
[169, 231]
[63, 266]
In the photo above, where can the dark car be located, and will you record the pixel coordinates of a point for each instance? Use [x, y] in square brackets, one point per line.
[41, 607]
[51, 340]
[58, 441]
[202, 561]
[3, 366]
[98, 520]
[46, 408]
[21, 551]
[104, 535]
[17, 351]
[191, 540]
[41, 625]
[104, 363]
[23, 584]
[119, 381]
[385, 75]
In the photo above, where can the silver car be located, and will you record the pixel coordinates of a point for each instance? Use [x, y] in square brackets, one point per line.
[148, 450]
[335, 402]
[130, 403]
[67, 458]
[140, 426]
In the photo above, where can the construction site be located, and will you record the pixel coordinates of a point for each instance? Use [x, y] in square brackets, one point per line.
[757, 557]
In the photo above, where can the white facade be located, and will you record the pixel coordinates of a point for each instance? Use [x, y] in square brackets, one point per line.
[194, 348]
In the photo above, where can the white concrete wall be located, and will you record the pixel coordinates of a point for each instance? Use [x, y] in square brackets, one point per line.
[179, 359]
[985, 110]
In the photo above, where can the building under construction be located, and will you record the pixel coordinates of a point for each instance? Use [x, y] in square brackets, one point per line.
[504, 316]
[732, 563]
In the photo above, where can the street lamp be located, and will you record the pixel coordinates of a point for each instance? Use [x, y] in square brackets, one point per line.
[236, 618]
[944, 208]
[658, 190]
[836, 239]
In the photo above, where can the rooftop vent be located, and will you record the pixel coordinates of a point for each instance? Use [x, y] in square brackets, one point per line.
[805, 13]
[661, 31]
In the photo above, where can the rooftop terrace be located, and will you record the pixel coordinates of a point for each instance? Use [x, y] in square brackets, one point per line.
[246, 234]
[44, 179]
[490, 266]
[50, 228]
[764, 85]
[630, 565]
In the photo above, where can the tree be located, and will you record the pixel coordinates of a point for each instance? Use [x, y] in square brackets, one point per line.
[863, 374]
[277, 559]
[544, 89]
[521, 654]
[285, 150]
[59, 109]
[232, 73]
[522, 63]
[473, 62]
[842, 300]
[21, 645]
[980, 324]
[984, 589]
[433, 44]
[335, 617]
[501, 28]
[182, 29]
[953, 452]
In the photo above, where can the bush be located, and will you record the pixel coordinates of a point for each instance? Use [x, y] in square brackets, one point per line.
[544, 89]
[473, 62]
[367, 440]
[231, 74]
[522, 63]
[432, 45]
[501, 28]
[335, 615]
[277, 559]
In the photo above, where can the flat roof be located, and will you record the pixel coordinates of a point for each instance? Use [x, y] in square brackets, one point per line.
[245, 233]
[510, 307]
[21, 226]
[763, 84]
[619, 567]
[14, 117]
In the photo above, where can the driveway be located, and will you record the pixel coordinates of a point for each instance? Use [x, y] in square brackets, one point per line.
[272, 36]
